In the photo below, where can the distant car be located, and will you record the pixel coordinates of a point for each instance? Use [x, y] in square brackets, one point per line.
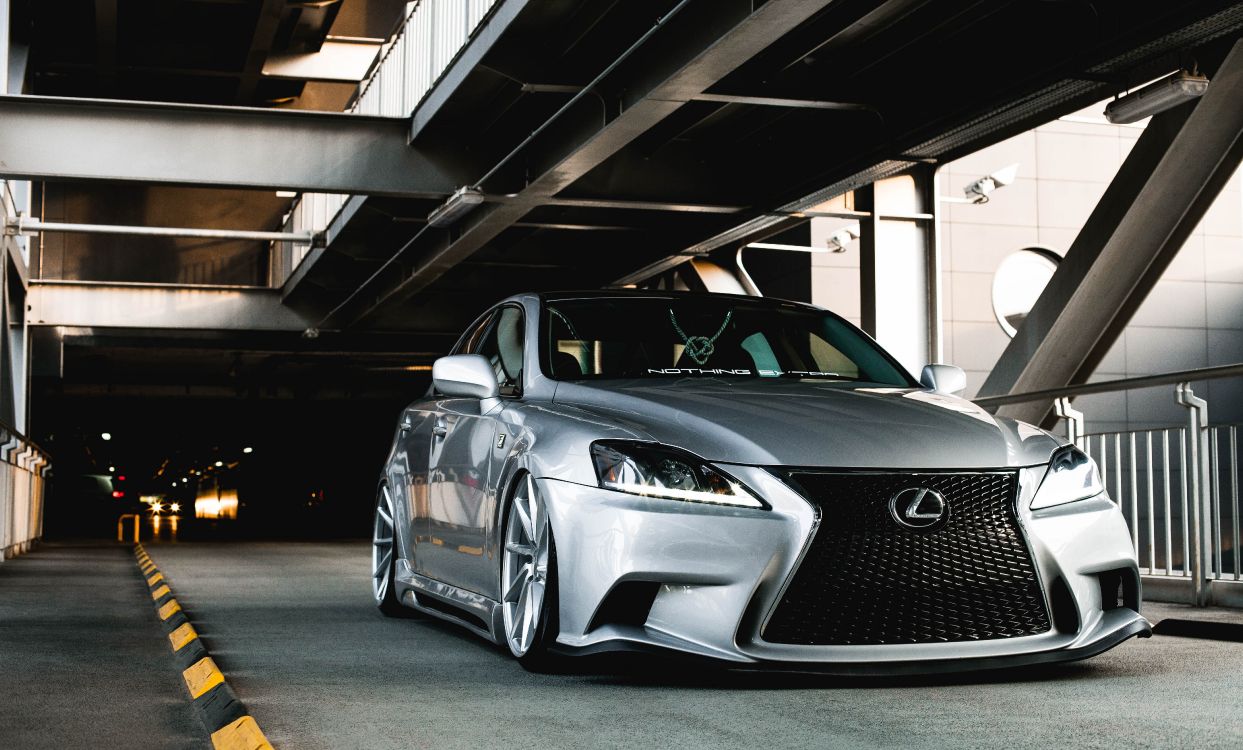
[749, 480]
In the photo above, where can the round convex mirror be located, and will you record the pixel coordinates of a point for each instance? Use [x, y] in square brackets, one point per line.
[1018, 283]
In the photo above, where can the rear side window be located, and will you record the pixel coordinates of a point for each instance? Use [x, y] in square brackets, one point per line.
[502, 341]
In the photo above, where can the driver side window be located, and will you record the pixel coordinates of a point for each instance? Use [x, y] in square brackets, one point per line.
[502, 341]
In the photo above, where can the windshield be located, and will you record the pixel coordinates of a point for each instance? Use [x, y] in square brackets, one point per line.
[655, 337]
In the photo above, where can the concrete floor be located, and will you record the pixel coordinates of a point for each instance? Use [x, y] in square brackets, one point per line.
[83, 663]
[293, 628]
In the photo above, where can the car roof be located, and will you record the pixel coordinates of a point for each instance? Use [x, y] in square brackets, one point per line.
[664, 294]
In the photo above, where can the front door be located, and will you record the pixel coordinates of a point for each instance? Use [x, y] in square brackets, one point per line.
[462, 496]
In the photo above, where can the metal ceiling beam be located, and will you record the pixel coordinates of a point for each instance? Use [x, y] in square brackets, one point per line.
[46, 138]
[266, 26]
[712, 42]
[770, 101]
[1167, 183]
[693, 208]
[996, 119]
[106, 43]
[467, 61]
[159, 307]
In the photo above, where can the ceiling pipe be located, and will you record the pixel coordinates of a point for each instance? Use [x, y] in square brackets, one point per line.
[24, 226]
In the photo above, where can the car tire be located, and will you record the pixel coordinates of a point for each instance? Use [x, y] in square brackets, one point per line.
[528, 545]
[384, 557]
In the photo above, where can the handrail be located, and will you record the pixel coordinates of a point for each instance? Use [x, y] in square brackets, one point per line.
[121, 526]
[1124, 384]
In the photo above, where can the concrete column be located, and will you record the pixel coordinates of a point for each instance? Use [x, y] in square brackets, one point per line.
[899, 266]
[4, 47]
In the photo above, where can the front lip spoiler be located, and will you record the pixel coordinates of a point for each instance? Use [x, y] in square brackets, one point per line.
[1139, 626]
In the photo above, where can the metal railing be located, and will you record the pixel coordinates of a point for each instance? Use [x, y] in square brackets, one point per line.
[407, 68]
[1177, 486]
[23, 471]
[15, 203]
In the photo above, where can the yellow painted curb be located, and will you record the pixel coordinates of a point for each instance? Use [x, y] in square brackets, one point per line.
[243, 734]
[182, 635]
[147, 567]
[202, 676]
[161, 591]
[169, 608]
[155, 579]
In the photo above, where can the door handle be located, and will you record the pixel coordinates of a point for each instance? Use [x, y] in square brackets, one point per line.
[440, 429]
[405, 425]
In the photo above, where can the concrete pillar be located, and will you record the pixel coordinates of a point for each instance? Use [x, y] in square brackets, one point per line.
[899, 270]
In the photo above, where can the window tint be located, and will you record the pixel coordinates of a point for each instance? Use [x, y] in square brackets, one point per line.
[470, 345]
[653, 337]
[501, 341]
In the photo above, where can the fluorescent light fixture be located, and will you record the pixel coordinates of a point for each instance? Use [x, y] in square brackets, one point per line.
[1156, 97]
[462, 202]
[286, 194]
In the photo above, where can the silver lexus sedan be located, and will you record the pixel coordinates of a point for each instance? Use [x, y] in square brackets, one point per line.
[748, 480]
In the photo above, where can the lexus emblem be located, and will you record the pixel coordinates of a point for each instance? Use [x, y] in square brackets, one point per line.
[919, 508]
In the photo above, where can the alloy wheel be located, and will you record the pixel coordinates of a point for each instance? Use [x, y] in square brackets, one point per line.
[382, 548]
[524, 567]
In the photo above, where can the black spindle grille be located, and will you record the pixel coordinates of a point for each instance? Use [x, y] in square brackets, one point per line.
[868, 580]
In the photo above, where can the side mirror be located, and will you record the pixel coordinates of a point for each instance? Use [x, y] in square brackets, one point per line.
[947, 379]
[465, 376]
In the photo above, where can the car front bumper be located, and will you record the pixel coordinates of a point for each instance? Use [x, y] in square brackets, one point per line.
[717, 573]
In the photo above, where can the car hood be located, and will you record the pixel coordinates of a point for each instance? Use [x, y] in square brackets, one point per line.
[805, 423]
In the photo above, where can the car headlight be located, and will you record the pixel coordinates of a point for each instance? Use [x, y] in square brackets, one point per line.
[654, 470]
[1072, 476]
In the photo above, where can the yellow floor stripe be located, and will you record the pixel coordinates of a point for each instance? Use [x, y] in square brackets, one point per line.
[147, 567]
[182, 635]
[161, 591]
[201, 677]
[169, 608]
[155, 579]
[243, 734]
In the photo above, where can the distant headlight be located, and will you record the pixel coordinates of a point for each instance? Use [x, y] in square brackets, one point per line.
[654, 470]
[1072, 476]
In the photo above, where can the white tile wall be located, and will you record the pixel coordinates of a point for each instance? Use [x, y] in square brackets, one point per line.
[1223, 259]
[1076, 157]
[1192, 318]
[1173, 304]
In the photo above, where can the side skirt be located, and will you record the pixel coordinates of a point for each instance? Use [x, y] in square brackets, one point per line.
[475, 612]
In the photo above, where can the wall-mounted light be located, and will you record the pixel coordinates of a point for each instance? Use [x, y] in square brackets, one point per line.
[837, 242]
[1168, 92]
[978, 191]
